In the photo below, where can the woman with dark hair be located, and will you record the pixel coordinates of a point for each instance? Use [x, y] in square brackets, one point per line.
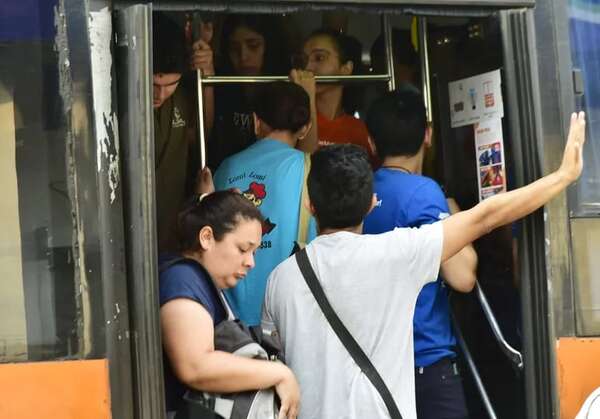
[218, 236]
[252, 45]
[330, 53]
[271, 173]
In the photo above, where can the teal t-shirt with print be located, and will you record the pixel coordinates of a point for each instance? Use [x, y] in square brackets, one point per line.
[270, 174]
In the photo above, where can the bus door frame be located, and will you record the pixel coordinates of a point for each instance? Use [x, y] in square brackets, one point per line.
[521, 78]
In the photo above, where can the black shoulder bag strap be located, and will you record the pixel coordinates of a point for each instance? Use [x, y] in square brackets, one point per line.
[356, 352]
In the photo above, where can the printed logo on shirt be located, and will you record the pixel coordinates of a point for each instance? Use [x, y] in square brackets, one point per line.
[257, 193]
[178, 121]
[243, 120]
[323, 143]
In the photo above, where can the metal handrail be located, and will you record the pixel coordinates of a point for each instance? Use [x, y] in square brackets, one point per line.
[514, 355]
[473, 368]
[214, 80]
[425, 74]
[358, 78]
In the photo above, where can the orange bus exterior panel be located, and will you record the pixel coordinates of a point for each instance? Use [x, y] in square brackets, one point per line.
[55, 390]
[578, 372]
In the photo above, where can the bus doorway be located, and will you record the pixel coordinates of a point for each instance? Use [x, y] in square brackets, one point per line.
[448, 49]
[462, 53]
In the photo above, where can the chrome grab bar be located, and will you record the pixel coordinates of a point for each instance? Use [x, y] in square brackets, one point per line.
[212, 80]
[514, 355]
[476, 377]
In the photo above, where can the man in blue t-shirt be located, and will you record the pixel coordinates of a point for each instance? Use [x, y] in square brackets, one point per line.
[398, 126]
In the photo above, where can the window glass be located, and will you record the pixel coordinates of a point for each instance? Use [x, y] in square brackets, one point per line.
[585, 48]
[37, 291]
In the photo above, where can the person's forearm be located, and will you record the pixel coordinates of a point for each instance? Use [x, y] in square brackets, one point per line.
[310, 143]
[460, 270]
[507, 207]
[223, 372]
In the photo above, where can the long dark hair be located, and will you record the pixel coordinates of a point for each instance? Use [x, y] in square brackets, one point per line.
[222, 211]
[348, 49]
[276, 58]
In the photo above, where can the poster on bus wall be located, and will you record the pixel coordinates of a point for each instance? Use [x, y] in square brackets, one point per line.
[476, 99]
[489, 149]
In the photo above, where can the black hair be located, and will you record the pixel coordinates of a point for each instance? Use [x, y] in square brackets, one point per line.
[348, 48]
[222, 211]
[283, 106]
[397, 122]
[276, 57]
[340, 185]
[168, 45]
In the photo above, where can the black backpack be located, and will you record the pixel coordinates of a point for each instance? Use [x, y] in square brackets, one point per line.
[232, 336]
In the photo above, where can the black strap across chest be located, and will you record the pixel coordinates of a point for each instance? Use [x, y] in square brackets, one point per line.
[351, 345]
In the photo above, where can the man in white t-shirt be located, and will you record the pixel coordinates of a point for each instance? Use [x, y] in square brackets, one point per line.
[372, 281]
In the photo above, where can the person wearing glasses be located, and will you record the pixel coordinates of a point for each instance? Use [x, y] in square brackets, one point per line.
[327, 52]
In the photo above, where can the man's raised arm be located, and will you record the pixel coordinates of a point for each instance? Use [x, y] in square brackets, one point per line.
[467, 226]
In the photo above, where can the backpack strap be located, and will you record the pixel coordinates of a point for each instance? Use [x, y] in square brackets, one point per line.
[304, 221]
[351, 345]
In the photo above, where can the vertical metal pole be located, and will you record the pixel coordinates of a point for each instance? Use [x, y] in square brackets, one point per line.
[485, 399]
[424, 55]
[389, 50]
[201, 120]
[136, 131]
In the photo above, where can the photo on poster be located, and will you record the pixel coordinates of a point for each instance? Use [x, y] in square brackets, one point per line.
[490, 154]
[491, 176]
[490, 158]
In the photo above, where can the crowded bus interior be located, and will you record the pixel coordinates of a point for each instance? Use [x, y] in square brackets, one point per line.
[428, 53]
[112, 113]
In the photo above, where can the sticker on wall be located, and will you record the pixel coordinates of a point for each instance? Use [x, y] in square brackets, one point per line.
[489, 149]
[476, 99]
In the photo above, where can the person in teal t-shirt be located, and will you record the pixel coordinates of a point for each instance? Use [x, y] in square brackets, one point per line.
[270, 173]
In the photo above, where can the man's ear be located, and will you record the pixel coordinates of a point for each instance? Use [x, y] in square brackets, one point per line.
[257, 123]
[303, 132]
[347, 68]
[309, 206]
[428, 137]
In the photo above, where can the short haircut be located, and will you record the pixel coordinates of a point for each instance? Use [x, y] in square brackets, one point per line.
[340, 185]
[169, 51]
[397, 122]
[222, 211]
[283, 106]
